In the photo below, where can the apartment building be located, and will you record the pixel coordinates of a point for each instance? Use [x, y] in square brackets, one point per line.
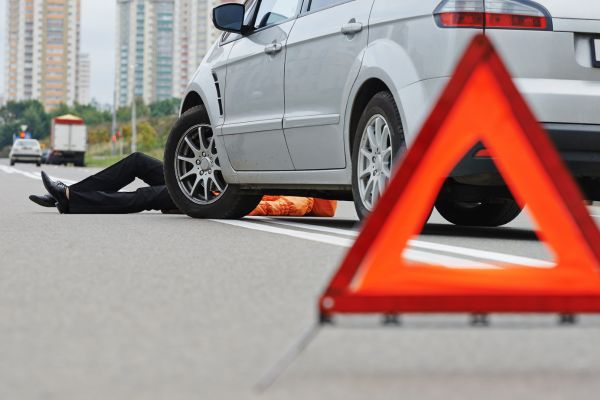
[144, 58]
[84, 79]
[160, 44]
[194, 35]
[43, 40]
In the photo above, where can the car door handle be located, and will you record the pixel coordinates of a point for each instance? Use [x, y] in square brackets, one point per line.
[273, 48]
[352, 28]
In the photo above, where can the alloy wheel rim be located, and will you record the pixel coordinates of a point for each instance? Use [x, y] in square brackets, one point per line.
[374, 161]
[197, 166]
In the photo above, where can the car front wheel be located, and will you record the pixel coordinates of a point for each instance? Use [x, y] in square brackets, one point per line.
[378, 140]
[193, 172]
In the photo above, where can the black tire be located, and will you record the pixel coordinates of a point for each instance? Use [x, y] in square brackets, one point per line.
[490, 214]
[12, 162]
[38, 164]
[382, 103]
[232, 204]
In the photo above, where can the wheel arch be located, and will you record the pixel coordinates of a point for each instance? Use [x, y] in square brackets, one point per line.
[191, 100]
[365, 93]
[368, 89]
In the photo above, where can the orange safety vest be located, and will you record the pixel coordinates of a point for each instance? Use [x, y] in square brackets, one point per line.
[289, 206]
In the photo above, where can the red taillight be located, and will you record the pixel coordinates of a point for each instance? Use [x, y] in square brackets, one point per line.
[462, 19]
[492, 14]
[507, 21]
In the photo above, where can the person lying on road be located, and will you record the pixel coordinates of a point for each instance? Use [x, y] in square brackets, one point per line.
[100, 193]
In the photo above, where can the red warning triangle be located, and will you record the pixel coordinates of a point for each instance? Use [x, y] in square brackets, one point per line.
[481, 103]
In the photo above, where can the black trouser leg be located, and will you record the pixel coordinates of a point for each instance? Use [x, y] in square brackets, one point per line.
[101, 202]
[99, 194]
[121, 174]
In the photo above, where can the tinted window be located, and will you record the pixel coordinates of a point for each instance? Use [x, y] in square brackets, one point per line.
[272, 12]
[27, 143]
[316, 5]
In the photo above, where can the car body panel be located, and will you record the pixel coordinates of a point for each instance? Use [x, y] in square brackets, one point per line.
[572, 9]
[553, 69]
[306, 145]
[203, 86]
[254, 102]
[393, 56]
[321, 59]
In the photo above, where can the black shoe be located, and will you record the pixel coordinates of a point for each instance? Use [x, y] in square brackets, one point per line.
[44, 201]
[58, 190]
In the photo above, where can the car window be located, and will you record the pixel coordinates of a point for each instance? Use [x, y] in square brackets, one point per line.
[272, 12]
[27, 143]
[316, 5]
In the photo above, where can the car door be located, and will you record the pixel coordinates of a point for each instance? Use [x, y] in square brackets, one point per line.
[324, 53]
[254, 96]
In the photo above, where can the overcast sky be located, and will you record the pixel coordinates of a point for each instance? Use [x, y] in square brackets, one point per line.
[97, 39]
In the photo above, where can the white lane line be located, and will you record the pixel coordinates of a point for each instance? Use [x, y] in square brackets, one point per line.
[31, 175]
[410, 254]
[492, 256]
[445, 261]
[464, 251]
[315, 237]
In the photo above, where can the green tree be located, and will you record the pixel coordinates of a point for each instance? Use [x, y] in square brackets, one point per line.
[91, 114]
[164, 108]
[147, 137]
[124, 114]
[30, 113]
[61, 109]
[141, 111]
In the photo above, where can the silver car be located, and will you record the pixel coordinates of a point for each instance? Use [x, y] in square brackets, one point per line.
[26, 151]
[319, 97]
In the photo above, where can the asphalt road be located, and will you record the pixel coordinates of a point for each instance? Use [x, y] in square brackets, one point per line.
[151, 306]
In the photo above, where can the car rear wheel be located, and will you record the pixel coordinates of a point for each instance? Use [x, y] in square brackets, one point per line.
[492, 213]
[378, 140]
[193, 172]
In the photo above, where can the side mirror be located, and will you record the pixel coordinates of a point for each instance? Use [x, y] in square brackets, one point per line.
[229, 17]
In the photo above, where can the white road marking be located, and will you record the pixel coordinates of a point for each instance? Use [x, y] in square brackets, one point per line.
[487, 255]
[410, 254]
[31, 175]
[315, 237]
[414, 255]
